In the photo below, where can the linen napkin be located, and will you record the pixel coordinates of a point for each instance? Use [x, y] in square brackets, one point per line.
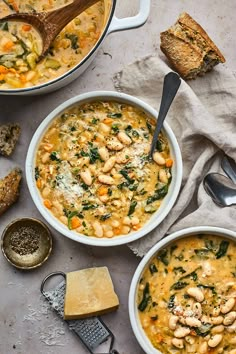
[203, 119]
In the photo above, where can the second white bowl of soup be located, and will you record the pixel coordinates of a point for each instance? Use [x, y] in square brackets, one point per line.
[89, 173]
[183, 294]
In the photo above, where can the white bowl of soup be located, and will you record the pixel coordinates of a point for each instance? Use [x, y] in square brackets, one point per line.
[89, 173]
[71, 53]
[183, 294]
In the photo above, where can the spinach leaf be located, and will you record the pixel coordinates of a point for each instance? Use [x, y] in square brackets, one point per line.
[88, 205]
[132, 207]
[36, 173]
[210, 287]
[178, 285]
[163, 256]
[204, 330]
[124, 173]
[192, 275]
[159, 194]
[54, 157]
[105, 217]
[114, 115]
[222, 249]
[153, 268]
[179, 270]
[93, 154]
[171, 303]
[73, 39]
[146, 298]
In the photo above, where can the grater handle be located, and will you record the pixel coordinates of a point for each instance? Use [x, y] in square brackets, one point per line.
[48, 277]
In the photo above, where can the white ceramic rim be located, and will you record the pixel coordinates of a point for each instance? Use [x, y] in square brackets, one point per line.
[156, 218]
[133, 312]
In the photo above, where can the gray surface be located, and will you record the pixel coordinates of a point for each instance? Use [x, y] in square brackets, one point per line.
[25, 321]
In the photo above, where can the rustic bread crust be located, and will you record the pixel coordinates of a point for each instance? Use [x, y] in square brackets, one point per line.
[9, 135]
[189, 48]
[9, 189]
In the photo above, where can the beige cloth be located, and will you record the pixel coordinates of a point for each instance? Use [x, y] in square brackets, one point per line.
[203, 118]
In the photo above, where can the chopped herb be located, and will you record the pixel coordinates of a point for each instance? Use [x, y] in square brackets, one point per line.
[4, 26]
[222, 249]
[154, 318]
[149, 209]
[135, 134]
[72, 129]
[202, 253]
[133, 187]
[36, 173]
[128, 129]
[88, 205]
[146, 298]
[149, 126]
[132, 207]
[153, 268]
[109, 192]
[95, 120]
[69, 214]
[163, 256]
[93, 155]
[212, 288]
[172, 249]
[115, 129]
[159, 146]
[84, 224]
[114, 115]
[84, 186]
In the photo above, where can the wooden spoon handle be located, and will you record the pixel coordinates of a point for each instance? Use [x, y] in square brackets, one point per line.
[61, 17]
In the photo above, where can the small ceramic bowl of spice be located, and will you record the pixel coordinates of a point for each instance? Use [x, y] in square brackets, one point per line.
[26, 243]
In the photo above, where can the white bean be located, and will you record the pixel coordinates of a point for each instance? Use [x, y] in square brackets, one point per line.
[109, 164]
[134, 220]
[225, 308]
[207, 270]
[86, 177]
[232, 351]
[126, 220]
[218, 329]
[229, 318]
[125, 230]
[158, 158]
[217, 320]
[122, 157]
[64, 220]
[104, 198]
[193, 322]
[124, 138]
[104, 154]
[104, 128]
[215, 340]
[106, 179]
[46, 192]
[190, 339]
[98, 230]
[216, 311]
[196, 293]
[197, 309]
[173, 322]
[178, 343]
[232, 328]
[114, 144]
[203, 348]
[181, 332]
[163, 176]
[45, 157]
[109, 234]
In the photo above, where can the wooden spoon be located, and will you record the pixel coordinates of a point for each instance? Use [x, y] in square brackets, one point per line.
[50, 24]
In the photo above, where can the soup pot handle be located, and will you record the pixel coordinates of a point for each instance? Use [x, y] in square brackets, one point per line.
[121, 24]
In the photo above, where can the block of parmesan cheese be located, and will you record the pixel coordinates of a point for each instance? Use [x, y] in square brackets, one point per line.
[89, 292]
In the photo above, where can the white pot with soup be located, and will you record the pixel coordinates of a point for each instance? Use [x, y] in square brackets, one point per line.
[70, 54]
[183, 294]
[89, 172]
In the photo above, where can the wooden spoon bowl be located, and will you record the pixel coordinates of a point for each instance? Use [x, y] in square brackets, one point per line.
[50, 24]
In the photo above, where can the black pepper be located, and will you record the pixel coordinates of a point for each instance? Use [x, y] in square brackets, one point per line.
[24, 241]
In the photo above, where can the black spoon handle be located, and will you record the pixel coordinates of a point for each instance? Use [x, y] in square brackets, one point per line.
[170, 87]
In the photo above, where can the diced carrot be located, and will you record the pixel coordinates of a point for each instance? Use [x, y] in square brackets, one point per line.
[136, 227]
[48, 147]
[107, 120]
[169, 162]
[8, 45]
[82, 43]
[153, 121]
[3, 69]
[117, 231]
[14, 5]
[47, 203]
[102, 190]
[159, 338]
[23, 78]
[12, 70]
[39, 183]
[75, 222]
[26, 28]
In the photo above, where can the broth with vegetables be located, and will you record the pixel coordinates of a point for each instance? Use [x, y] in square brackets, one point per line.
[93, 170]
[21, 44]
[187, 296]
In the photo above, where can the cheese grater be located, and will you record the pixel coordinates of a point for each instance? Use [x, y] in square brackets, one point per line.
[91, 331]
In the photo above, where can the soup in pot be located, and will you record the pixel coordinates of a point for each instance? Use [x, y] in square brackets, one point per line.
[21, 44]
[93, 169]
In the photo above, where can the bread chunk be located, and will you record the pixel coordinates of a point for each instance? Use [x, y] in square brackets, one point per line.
[89, 292]
[189, 48]
[9, 135]
[9, 189]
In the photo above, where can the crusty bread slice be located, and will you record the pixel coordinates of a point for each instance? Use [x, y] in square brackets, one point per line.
[9, 135]
[189, 48]
[9, 189]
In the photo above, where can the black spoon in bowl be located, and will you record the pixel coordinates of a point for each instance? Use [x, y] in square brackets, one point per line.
[170, 87]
